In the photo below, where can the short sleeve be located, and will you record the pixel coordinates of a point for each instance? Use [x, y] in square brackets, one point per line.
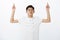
[21, 20]
[39, 19]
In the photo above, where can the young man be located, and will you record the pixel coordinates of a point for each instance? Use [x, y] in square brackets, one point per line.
[30, 22]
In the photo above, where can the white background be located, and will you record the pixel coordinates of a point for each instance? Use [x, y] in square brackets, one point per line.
[48, 31]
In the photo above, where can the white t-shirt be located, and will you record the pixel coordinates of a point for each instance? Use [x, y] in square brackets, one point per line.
[30, 28]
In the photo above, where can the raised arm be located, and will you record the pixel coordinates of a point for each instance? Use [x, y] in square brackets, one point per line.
[12, 15]
[48, 19]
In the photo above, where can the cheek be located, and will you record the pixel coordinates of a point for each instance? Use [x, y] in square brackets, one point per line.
[27, 11]
[33, 12]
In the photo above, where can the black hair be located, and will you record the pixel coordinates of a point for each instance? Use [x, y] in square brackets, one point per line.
[29, 6]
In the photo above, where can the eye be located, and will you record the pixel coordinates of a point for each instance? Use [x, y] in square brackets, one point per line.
[29, 9]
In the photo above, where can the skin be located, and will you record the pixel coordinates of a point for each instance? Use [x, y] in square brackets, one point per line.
[30, 13]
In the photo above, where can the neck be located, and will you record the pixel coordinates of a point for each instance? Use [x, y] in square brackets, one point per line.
[30, 16]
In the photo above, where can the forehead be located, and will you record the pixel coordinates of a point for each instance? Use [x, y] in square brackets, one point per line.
[30, 8]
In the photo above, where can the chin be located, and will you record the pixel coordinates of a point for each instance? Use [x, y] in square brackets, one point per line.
[30, 14]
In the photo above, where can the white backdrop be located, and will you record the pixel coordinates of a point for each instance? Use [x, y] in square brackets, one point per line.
[48, 31]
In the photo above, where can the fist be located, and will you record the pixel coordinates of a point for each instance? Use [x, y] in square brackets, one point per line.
[47, 6]
[14, 7]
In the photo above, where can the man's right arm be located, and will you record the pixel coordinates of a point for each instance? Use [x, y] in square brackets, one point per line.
[12, 20]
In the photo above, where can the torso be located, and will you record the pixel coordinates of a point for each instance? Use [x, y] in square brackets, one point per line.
[30, 27]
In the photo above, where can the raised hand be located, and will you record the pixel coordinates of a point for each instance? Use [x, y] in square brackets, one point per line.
[48, 19]
[12, 16]
[47, 7]
[13, 8]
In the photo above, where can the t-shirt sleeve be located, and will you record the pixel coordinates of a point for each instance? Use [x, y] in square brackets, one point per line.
[20, 20]
[39, 20]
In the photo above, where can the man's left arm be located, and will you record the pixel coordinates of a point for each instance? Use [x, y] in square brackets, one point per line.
[48, 19]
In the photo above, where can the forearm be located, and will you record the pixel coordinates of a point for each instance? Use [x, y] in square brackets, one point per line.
[47, 20]
[12, 17]
[48, 15]
[12, 20]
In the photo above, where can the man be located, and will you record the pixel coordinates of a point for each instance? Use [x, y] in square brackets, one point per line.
[30, 22]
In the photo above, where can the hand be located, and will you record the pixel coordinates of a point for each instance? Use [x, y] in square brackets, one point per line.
[13, 8]
[47, 7]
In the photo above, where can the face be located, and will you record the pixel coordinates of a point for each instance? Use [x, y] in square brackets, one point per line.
[30, 11]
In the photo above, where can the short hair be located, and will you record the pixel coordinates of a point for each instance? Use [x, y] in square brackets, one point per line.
[29, 6]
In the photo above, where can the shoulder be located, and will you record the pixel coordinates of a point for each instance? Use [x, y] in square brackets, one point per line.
[21, 19]
[38, 18]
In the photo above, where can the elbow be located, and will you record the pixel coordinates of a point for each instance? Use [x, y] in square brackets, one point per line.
[11, 21]
[48, 20]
